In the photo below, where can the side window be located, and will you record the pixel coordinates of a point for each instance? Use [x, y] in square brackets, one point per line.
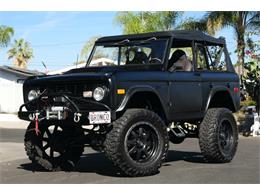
[218, 61]
[180, 59]
[187, 50]
[201, 59]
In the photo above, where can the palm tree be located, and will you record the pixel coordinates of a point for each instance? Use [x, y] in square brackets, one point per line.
[141, 22]
[240, 21]
[5, 35]
[21, 52]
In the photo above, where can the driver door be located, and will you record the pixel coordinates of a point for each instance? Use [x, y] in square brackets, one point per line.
[185, 91]
[185, 94]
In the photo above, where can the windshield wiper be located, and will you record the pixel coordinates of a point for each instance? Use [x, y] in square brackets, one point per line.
[124, 41]
[129, 43]
[148, 40]
[120, 43]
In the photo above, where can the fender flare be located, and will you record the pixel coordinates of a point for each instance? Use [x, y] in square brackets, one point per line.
[215, 90]
[133, 90]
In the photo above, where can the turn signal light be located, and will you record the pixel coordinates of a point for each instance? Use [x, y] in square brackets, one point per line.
[121, 91]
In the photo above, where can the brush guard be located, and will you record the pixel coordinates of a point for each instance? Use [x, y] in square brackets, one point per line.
[69, 111]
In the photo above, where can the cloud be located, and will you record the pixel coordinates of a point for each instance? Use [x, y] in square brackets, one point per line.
[51, 20]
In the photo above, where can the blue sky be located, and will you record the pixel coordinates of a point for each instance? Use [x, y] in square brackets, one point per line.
[58, 37]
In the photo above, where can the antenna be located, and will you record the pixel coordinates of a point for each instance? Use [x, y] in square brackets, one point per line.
[46, 69]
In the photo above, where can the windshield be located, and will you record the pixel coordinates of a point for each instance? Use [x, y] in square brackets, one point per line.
[145, 52]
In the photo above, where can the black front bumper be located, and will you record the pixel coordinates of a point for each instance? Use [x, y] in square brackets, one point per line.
[71, 114]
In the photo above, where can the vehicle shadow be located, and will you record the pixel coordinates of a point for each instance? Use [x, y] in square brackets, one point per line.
[32, 167]
[193, 157]
[91, 163]
[97, 163]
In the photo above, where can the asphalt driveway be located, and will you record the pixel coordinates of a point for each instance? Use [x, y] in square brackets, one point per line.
[184, 165]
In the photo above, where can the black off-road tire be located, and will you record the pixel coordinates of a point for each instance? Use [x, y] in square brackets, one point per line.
[66, 161]
[218, 144]
[116, 143]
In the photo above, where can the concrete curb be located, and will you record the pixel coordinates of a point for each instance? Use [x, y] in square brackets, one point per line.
[9, 117]
[14, 125]
[11, 121]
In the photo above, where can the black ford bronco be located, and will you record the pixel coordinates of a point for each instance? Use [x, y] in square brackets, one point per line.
[135, 94]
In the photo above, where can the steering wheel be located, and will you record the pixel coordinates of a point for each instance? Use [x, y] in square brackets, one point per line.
[155, 60]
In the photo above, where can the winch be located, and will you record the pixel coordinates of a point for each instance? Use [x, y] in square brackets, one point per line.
[56, 113]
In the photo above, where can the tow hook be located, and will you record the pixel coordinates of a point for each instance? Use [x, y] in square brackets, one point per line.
[77, 117]
[37, 131]
[35, 117]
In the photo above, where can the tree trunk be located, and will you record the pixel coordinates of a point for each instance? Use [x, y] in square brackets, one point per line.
[20, 63]
[241, 54]
[240, 29]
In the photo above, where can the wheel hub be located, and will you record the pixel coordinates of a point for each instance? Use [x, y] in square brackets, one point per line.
[225, 135]
[57, 142]
[141, 142]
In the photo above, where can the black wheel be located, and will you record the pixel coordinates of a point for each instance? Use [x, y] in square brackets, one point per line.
[218, 135]
[138, 142]
[55, 148]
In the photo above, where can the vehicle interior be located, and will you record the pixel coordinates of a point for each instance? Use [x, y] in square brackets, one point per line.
[147, 51]
[201, 56]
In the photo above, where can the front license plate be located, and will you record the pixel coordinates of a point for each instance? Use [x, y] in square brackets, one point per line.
[99, 117]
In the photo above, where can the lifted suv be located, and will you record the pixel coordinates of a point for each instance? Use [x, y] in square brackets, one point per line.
[136, 93]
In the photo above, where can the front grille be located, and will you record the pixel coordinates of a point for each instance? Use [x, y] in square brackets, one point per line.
[71, 89]
[75, 93]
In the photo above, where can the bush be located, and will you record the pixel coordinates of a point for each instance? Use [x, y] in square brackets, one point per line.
[248, 102]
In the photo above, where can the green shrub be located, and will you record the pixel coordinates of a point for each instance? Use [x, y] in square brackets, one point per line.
[248, 103]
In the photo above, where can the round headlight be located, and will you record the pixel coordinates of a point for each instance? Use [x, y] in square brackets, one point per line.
[99, 93]
[32, 95]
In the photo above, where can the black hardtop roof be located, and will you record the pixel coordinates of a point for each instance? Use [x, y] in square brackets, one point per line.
[189, 35]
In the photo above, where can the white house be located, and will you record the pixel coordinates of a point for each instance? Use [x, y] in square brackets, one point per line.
[98, 62]
[11, 95]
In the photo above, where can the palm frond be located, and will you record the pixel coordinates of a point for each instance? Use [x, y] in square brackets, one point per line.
[192, 24]
[21, 51]
[218, 20]
[5, 35]
[140, 22]
[253, 23]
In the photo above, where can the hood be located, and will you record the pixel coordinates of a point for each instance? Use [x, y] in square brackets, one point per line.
[104, 69]
[67, 78]
[87, 74]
